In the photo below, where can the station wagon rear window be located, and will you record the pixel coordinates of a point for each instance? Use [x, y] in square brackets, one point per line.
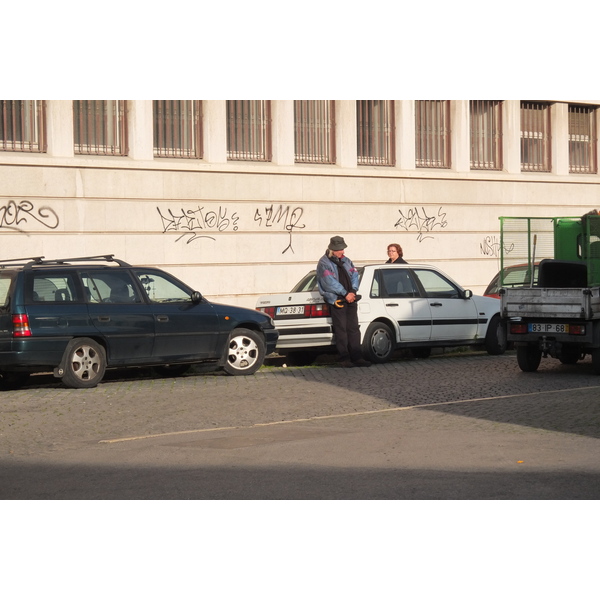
[54, 288]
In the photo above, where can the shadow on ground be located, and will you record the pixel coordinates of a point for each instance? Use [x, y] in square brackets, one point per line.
[43, 481]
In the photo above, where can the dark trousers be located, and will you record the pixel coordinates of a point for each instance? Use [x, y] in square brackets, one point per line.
[347, 332]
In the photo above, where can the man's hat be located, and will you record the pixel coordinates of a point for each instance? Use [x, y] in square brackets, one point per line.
[337, 243]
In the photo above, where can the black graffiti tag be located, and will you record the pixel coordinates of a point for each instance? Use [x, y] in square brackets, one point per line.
[288, 220]
[13, 215]
[194, 221]
[417, 219]
[490, 246]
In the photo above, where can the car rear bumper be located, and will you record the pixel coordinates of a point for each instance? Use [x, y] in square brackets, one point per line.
[304, 335]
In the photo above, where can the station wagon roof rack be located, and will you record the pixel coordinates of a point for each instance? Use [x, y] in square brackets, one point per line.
[17, 262]
[39, 260]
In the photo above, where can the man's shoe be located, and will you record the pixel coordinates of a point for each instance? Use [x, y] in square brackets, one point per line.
[346, 364]
[361, 362]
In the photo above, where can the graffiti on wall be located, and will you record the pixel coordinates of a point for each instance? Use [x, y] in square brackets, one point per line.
[15, 215]
[421, 221]
[283, 217]
[197, 223]
[490, 246]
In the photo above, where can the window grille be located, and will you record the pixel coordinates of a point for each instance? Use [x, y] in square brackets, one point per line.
[23, 125]
[486, 134]
[582, 139]
[177, 128]
[249, 130]
[100, 127]
[314, 129]
[535, 137]
[375, 132]
[432, 130]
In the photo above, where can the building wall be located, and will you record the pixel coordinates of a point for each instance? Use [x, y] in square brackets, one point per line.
[238, 229]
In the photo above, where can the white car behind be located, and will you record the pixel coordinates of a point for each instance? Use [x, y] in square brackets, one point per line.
[402, 306]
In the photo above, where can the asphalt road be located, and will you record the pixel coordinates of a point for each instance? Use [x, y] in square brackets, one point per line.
[466, 426]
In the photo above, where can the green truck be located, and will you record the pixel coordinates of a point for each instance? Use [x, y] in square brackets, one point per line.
[556, 313]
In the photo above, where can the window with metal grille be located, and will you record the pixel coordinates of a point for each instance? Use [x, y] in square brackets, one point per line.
[100, 127]
[432, 131]
[375, 132]
[249, 130]
[582, 139]
[314, 129]
[177, 128]
[486, 134]
[23, 125]
[535, 137]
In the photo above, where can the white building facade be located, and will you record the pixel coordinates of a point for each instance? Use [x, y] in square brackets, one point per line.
[240, 198]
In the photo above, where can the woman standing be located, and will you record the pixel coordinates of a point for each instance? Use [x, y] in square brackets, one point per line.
[395, 253]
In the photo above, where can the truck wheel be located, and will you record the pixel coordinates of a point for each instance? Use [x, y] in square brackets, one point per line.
[596, 361]
[569, 355]
[495, 337]
[379, 343]
[84, 363]
[528, 358]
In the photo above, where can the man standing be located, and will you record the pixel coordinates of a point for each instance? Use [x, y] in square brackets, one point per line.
[338, 283]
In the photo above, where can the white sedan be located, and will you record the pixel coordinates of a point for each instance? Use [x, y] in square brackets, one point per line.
[402, 306]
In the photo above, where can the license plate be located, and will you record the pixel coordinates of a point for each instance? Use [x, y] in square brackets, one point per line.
[548, 328]
[289, 310]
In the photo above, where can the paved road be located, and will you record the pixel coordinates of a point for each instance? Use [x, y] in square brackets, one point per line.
[467, 426]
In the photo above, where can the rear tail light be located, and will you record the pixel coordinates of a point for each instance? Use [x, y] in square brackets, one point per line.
[316, 310]
[577, 329]
[269, 310]
[518, 327]
[21, 326]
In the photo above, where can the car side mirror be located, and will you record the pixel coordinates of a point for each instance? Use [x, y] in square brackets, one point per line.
[196, 297]
[467, 294]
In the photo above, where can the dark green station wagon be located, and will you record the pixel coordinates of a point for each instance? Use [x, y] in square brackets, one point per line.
[78, 316]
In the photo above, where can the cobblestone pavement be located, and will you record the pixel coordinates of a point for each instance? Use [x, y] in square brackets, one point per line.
[448, 395]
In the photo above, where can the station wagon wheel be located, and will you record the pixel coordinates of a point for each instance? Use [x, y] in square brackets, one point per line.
[244, 353]
[528, 358]
[495, 337]
[379, 343]
[84, 363]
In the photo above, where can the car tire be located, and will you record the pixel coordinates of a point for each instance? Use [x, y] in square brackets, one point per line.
[528, 358]
[244, 353]
[495, 337]
[172, 370]
[84, 363]
[379, 343]
[569, 355]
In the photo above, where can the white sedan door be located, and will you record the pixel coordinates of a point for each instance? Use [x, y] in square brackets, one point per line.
[400, 297]
[453, 316]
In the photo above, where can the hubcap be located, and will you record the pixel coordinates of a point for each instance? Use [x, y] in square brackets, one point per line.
[243, 352]
[85, 363]
[381, 343]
